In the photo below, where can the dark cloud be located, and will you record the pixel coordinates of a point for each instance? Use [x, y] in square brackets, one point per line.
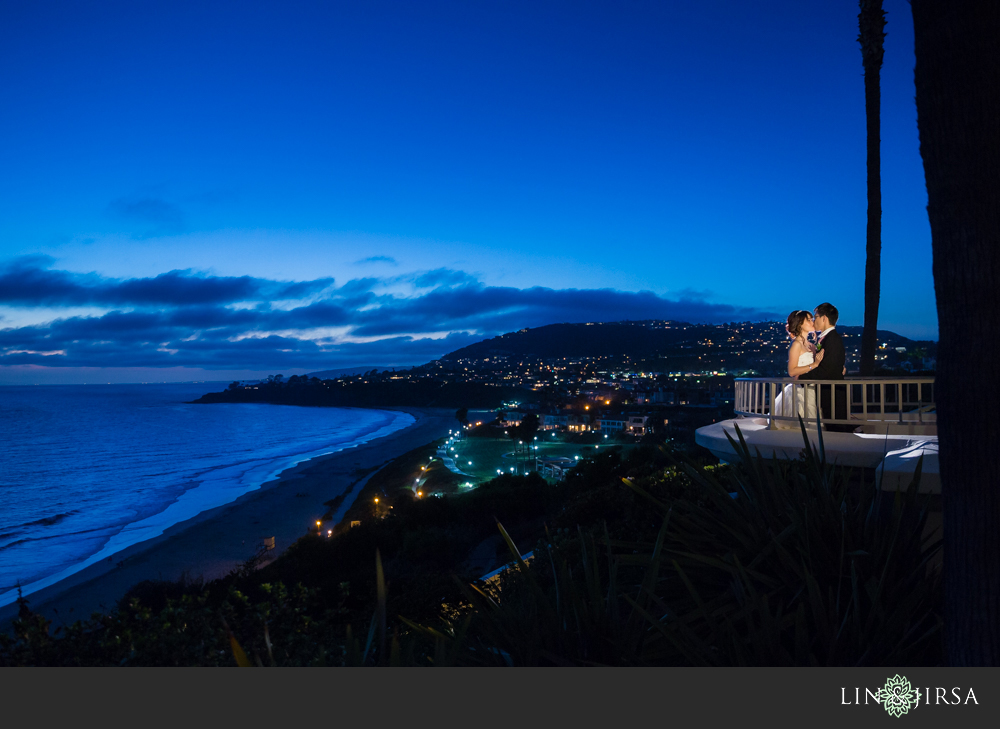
[182, 287]
[30, 281]
[27, 281]
[185, 319]
[377, 259]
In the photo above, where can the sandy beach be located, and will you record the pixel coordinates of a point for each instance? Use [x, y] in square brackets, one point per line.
[211, 544]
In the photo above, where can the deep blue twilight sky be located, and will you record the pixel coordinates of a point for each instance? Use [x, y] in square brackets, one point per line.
[208, 190]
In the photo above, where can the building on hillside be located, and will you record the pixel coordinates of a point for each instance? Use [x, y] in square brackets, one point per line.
[637, 424]
[512, 419]
[665, 397]
[721, 398]
[612, 423]
[552, 421]
[572, 422]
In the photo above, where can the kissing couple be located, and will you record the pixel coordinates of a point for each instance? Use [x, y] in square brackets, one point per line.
[822, 360]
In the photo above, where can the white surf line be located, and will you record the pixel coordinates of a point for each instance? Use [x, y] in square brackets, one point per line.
[188, 505]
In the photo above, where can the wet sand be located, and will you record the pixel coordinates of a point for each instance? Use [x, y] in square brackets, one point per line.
[214, 542]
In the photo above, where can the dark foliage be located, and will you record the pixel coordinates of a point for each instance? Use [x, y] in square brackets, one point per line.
[766, 563]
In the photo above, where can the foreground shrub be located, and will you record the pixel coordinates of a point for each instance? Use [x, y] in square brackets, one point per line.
[774, 563]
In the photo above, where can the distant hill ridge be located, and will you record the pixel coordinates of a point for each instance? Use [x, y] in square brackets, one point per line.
[576, 340]
[333, 374]
[633, 338]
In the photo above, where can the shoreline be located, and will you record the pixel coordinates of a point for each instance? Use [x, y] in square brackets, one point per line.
[213, 542]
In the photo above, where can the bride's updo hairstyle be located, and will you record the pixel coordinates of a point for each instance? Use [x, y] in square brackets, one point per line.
[795, 320]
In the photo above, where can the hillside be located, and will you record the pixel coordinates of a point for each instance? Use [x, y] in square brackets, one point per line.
[585, 340]
[640, 339]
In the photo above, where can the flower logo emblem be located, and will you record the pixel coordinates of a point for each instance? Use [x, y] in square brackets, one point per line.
[898, 697]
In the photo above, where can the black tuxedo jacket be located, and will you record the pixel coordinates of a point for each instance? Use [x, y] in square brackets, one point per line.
[832, 366]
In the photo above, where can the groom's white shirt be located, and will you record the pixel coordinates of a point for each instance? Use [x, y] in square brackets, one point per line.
[825, 332]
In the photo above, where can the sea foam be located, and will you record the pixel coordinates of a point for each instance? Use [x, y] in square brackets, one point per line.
[87, 471]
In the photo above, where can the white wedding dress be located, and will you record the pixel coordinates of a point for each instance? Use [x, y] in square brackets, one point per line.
[798, 404]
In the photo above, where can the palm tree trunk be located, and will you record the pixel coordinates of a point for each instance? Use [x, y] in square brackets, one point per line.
[958, 107]
[871, 26]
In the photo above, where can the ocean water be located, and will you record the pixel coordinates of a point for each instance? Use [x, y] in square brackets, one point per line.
[87, 470]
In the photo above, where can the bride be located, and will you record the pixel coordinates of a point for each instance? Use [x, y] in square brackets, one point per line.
[802, 358]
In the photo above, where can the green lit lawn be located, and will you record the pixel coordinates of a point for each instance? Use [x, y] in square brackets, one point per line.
[488, 455]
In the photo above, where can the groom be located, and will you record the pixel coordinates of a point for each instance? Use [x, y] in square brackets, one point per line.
[832, 367]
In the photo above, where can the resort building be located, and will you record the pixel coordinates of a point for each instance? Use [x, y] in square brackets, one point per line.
[637, 424]
[612, 424]
[511, 419]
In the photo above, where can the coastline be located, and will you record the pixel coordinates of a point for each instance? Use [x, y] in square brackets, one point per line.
[212, 543]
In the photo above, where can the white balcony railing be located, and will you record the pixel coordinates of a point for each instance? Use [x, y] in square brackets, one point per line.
[872, 403]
